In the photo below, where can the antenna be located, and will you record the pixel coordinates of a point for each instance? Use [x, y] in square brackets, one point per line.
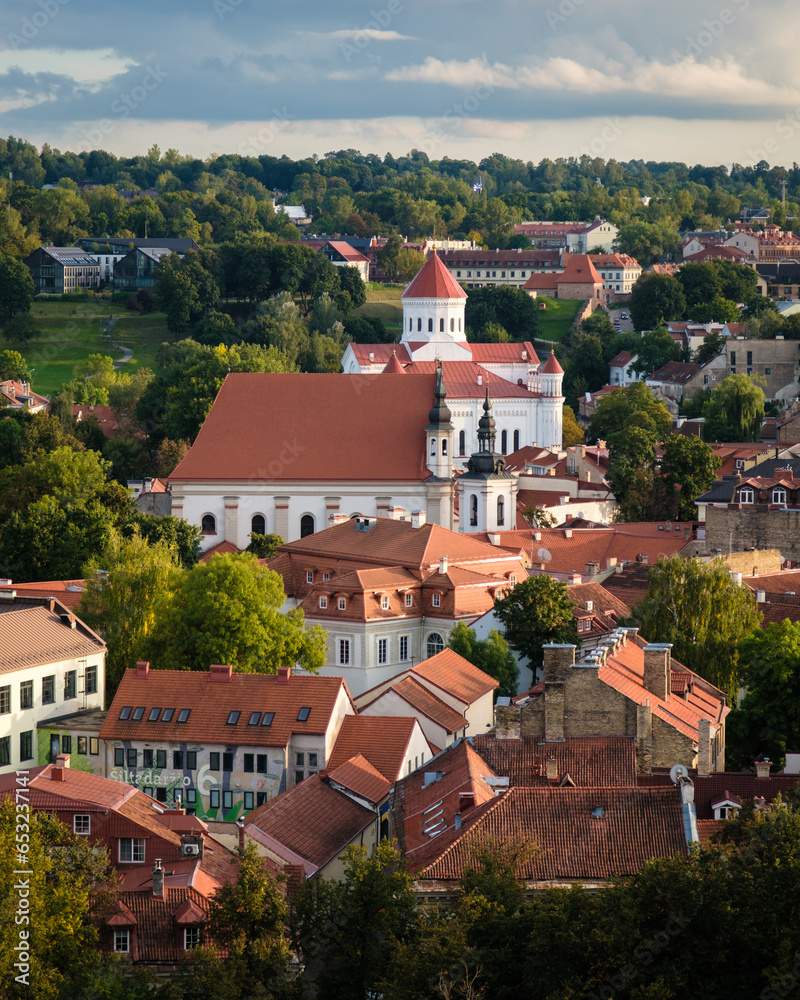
[678, 771]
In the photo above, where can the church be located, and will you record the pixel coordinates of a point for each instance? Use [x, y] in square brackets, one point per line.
[291, 454]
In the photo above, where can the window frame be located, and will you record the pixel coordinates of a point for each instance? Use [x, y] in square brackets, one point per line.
[25, 695]
[82, 816]
[137, 845]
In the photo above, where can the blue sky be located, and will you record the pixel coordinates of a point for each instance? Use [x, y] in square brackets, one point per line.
[691, 80]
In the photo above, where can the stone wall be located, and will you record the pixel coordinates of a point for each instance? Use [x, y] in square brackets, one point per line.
[759, 526]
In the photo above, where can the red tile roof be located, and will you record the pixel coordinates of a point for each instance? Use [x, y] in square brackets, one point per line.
[590, 761]
[382, 739]
[31, 636]
[551, 366]
[394, 367]
[580, 833]
[158, 922]
[579, 270]
[210, 703]
[434, 281]
[358, 776]
[713, 787]
[66, 592]
[312, 427]
[461, 380]
[485, 353]
[220, 549]
[423, 702]
[310, 823]
[450, 672]
[76, 787]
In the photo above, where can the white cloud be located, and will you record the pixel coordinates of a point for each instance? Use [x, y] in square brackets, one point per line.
[373, 34]
[86, 66]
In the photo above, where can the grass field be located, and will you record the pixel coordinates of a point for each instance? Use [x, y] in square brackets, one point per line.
[71, 331]
[556, 319]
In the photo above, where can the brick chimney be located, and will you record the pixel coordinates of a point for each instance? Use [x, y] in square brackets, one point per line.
[418, 518]
[142, 668]
[284, 673]
[220, 673]
[61, 765]
[657, 669]
[158, 880]
[762, 768]
[704, 748]
[240, 828]
[552, 769]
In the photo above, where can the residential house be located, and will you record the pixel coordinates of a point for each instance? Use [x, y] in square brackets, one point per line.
[342, 254]
[109, 250]
[137, 269]
[59, 270]
[777, 361]
[477, 268]
[781, 278]
[389, 592]
[576, 237]
[51, 665]
[218, 742]
[619, 272]
[579, 280]
[620, 369]
[393, 746]
[16, 396]
[676, 380]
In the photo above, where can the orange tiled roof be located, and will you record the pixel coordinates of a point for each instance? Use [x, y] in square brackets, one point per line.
[30, 636]
[590, 761]
[358, 776]
[211, 702]
[461, 380]
[579, 270]
[66, 592]
[434, 281]
[220, 549]
[309, 823]
[382, 739]
[423, 701]
[159, 935]
[268, 427]
[458, 677]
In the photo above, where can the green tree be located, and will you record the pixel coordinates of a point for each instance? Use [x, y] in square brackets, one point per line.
[766, 720]
[655, 350]
[353, 291]
[633, 406]
[16, 288]
[388, 255]
[247, 919]
[511, 308]
[687, 469]
[264, 546]
[216, 328]
[491, 655]
[656, 299]
[227, 611]
[571, 431]
[735, 411]
[22, 329]
[13, 366]
[648, 242]
[712, 346]
[351, 931]
[185, 288]
[127, 583]
[409, 262]
[536, 612]
[700, 610]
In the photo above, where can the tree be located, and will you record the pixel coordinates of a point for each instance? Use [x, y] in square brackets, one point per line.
[688, 469]
[247, 919]
[388, 255]
[766, 720]
[22, 329]
[536, 612]
[655, 350]
[633, 406]
[351, 930]
[353, 291]
[216, 328]
[491, 655]
[227, 611]
[13, 366]
[656, 299]
[712, 346]
[16, 288]
[735, 411]
[648, 242]
[126, 584]
[409, 263]
[511, 308]
[185, 288]
[571, 431]
[264, 546]
[703, 613]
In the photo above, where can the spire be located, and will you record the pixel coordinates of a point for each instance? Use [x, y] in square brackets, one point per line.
[486, 427]
[440, 416]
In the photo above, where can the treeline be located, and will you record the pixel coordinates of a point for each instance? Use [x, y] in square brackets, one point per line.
[348, 192]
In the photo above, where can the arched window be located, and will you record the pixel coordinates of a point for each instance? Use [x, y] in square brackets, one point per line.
[410, 325]
[779, 495]
[501, 511]
[459, 326]
[516, 440]
[433, 447]
[259, 524]
[430, 325]
[504, 442]
[419, 323]
[452, 325]
[444, 446]
[306, 525]
[462, 442]
[473, 510]
[746, 495]
[209, 524]
[441, 324]
[435, 644]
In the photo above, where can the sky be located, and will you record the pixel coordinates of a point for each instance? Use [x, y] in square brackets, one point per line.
[698, 81]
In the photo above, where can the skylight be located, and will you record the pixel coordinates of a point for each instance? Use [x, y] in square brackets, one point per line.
[233, 718]
[183, 715]
[126, 712]
[268, 717]
[167, 716]
[254, 717]
[303, 714]
[154, 714]
[138, 713]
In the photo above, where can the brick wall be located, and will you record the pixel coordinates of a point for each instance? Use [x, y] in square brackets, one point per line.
[759, 526]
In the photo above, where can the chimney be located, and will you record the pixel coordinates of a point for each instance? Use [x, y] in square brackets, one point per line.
[592, 569]
[142, 668]
[644, 738]
[480, 380]
[443, 565]
[552, 769]
[60, 766]
[284, 673]
[704, 761]
[158, 880]
[240, 827]
[762, 767]
[220, 673]
[507, 719]
[589, 605]
[761, 596]
[554, 710]
[417, 518]
[657, 669]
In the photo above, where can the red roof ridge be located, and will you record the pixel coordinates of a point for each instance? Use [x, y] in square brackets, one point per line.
[434, 281]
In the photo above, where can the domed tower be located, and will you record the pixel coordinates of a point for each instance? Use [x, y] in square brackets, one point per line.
[551, 410]
[433, 315]
[439, 452]
[487, 494]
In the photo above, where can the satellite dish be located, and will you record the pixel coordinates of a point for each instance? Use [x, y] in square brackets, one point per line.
[544, 555]
[678, 771]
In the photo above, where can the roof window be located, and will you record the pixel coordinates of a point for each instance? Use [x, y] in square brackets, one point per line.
[167, 716]
[254, 717]
[154, 714]
[233, 718]
[268, 717]
[126, 712]
[183, 715]
[303, 714]
[138, 713]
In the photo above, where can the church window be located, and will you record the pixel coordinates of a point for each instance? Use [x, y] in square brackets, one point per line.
[430, 325]
[259, 524]
[433, 447]
[419, 324]
[383, 650]
[462, 442]
[501, 511]
[459, 326]
[208, 525]
[444, 447]
[452, 325]
[473, 510]
[516, 440]
[344, 652]
[410, 325]
[441, 324]
[435, 644]
[306, 525]
[504, 442]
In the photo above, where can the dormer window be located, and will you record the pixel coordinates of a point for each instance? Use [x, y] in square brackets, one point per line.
[779, 495]
[384, 602]
[342, 604]
[747, 495]
[436, 600]
[323, 602]
[309, 576]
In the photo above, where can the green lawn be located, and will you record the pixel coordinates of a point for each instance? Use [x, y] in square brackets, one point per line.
[71, 331]
[557, 318]
[377, 292]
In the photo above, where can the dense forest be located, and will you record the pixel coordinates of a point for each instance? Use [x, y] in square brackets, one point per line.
[347, 192]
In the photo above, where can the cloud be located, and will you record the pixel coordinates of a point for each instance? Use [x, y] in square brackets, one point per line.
[373, 34]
